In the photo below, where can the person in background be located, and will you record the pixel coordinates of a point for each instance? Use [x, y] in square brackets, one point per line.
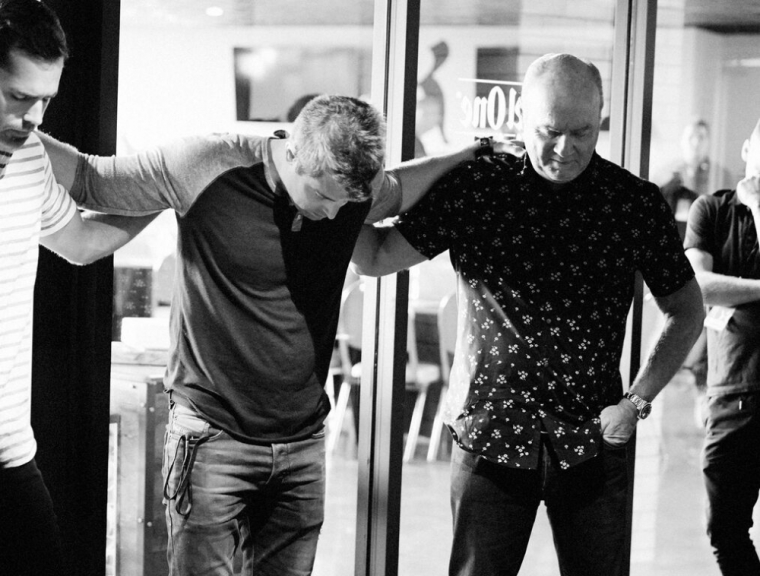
[722, 245]
[297, 106]
[34, 210]
[266, 228]
[690, 179]
[545, 248]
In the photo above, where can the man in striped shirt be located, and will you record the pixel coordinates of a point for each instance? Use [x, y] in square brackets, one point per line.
[34, 210]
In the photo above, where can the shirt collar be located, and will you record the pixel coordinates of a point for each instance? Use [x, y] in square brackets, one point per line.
[588, 174]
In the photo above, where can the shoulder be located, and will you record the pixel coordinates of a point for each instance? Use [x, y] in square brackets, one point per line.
[481, 172]
[225, 148]
[606, 171]
[194, 161]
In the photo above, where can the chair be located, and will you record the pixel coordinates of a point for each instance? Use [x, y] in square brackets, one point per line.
[349, 336]
[447, 340]
[419, 375]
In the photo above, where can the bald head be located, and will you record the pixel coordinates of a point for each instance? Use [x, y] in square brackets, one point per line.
[564, 73]
[751, 152]
[561, 106]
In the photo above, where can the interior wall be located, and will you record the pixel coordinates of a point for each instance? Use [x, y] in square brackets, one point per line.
[703, 75]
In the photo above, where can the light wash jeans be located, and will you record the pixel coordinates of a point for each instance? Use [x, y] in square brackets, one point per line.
[226, 499]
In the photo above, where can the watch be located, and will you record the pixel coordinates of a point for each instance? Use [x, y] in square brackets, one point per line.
[485, 147]
[643, 408]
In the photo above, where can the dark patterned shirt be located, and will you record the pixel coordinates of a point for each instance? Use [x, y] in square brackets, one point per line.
[545, 283]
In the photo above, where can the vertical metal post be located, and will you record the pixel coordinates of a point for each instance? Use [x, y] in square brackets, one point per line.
[394, 78]
[631, 125]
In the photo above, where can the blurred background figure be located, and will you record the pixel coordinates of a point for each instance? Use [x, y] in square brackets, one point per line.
[430, 137]
[691, 177]
[298, 105]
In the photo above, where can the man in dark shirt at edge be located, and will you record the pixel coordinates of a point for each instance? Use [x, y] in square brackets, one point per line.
[721, 244]
[545, 248]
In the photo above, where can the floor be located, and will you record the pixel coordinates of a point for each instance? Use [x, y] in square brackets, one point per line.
[668, 505]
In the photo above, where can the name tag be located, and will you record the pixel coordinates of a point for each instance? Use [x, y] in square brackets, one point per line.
[717, 318]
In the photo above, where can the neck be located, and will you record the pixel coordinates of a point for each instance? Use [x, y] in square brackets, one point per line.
[5, 157]
[279, 164]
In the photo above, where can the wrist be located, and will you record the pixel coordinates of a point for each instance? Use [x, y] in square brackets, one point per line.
[629, 408]
[483, 147]
[641, 407]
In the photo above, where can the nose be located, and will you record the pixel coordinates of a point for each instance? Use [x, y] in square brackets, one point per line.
[564, 145]
[34, 114]
[332, 210]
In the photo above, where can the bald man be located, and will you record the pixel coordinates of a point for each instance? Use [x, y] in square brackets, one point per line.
[721, 243]
[545, 247]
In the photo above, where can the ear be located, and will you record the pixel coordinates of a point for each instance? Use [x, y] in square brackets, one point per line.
[289, 154]
[745, 150]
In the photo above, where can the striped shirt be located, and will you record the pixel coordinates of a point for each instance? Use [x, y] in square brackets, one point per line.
[32, 204]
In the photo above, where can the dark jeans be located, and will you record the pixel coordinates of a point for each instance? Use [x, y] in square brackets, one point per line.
[731, 470]
[30, 543]
[494, 509]
[226, 499]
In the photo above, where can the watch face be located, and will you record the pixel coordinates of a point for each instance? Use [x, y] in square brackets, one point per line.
[646, 409]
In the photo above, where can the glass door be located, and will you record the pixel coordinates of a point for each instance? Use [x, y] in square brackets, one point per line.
[471, 61]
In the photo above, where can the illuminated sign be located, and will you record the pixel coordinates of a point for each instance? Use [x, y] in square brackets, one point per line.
[496, 112]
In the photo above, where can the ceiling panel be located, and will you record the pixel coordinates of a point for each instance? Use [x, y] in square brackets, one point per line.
[722, 16]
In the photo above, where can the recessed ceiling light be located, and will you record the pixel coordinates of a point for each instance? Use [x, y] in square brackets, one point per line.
[214, 11]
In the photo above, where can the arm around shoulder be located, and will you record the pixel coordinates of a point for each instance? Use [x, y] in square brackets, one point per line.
[87, 239]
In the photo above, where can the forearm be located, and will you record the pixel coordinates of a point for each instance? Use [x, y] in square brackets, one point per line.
[382, 250]
[722, 290]
[109, 232]
[364, 260]
[91, 236]
[417, 176]
[681, 329]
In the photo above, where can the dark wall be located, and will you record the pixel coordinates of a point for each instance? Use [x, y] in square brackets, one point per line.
[72, 324]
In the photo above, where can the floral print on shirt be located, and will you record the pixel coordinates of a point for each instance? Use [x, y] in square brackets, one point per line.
[545, 283]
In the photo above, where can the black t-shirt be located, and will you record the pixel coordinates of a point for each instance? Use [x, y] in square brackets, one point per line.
[725, 228]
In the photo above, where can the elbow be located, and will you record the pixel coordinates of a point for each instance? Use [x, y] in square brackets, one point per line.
[699, 322]
[85, 255]
[365, 268]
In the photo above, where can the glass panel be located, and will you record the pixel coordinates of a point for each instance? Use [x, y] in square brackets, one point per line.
[472, 58]
[188, 69]
[706, 81]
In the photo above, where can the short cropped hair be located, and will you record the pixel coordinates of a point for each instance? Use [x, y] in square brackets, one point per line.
[343, 137]
[30, 26]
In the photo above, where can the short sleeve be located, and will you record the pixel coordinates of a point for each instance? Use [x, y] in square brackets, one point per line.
[661, 258]
[435, 222]
[701, 215]
[57, 206]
